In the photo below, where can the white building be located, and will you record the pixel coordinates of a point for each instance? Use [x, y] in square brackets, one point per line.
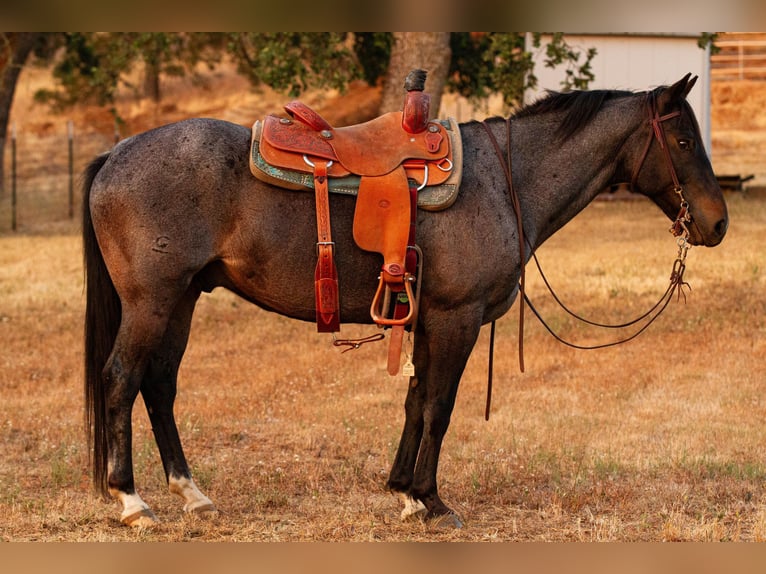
[635, 62]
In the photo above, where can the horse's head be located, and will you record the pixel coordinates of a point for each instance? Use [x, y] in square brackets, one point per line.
[674, 166]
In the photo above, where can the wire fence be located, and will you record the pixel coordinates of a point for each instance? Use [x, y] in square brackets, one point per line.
[42, 175]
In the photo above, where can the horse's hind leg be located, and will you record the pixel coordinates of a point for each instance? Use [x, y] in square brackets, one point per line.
[141, 332]
[159, 392]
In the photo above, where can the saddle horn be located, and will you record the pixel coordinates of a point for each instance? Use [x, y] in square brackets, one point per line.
[417, 103]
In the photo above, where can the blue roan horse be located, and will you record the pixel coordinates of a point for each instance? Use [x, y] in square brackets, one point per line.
[175, 211]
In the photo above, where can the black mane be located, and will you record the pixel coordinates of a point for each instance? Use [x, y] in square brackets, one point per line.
[580, 107]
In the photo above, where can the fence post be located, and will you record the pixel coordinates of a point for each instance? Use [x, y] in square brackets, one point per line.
[13, 176]
[70, 137]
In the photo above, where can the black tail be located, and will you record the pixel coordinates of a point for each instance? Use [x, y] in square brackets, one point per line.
[102, 319]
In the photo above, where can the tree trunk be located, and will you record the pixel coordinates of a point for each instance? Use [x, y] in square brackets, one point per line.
[152, 80]
[429, 51]
[14, 50]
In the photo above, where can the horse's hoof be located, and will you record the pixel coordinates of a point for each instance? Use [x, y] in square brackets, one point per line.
[143, 518]
[203, 510]
[449, 521]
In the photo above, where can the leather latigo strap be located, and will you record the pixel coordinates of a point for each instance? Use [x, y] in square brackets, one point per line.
[403, 308]
[325, 274]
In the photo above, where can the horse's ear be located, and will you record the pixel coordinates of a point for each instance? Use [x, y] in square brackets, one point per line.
[676, 92]
[689, 85]
[681, 88]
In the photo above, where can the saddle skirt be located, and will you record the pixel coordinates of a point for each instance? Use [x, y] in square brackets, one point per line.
[281, 149]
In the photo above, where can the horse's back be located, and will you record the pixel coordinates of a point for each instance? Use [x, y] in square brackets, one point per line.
[168, 159]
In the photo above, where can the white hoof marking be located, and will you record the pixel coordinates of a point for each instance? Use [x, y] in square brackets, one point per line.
[195, 501]
[135, 512]
[412, 508]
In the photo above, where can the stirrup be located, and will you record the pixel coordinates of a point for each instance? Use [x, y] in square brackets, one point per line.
[383, 294]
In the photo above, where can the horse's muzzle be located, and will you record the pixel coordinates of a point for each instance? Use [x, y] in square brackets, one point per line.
[712, 236]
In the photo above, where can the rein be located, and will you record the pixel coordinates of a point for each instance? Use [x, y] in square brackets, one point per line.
[679, 229]
[508, 169]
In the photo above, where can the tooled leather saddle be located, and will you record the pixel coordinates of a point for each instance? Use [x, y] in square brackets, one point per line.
[394, 164]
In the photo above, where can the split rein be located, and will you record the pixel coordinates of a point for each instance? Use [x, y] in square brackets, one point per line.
[676, 286]
[679, 229]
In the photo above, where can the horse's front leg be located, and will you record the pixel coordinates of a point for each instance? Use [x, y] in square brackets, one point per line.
[441, 353]
[402, 471]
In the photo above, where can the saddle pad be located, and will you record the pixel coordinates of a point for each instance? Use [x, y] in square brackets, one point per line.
[439, 194]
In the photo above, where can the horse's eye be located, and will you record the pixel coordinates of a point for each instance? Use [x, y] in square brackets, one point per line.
[685, 145]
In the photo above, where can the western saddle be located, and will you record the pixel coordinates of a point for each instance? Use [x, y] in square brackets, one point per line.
[394, 164]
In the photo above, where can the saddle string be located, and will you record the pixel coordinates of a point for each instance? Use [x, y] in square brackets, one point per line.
[354, 344]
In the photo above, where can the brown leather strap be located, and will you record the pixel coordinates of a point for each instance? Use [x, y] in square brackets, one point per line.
[395, 349]
[508, 169]
[490, 368]
[354, 344]
[325, 275]
[402, 309]
[658, 133]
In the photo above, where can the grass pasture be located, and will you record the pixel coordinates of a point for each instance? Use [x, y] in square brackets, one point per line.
[661, 439]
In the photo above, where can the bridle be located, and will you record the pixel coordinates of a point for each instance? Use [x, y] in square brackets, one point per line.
[655, 120]
[679, 229]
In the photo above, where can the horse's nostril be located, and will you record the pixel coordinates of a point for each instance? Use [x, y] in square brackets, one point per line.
[721, 227]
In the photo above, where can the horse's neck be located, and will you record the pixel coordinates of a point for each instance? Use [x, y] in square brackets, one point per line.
[556, 180]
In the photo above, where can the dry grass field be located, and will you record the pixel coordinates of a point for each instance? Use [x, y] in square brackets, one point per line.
[661, 439]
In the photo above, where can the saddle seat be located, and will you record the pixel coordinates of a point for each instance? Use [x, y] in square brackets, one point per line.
[373, 148]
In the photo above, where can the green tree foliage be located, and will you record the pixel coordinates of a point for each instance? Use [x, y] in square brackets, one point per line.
[484, 63]
[295, 61]
[708, 39]
[91, 66]
[373, 52]
[88, 70]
